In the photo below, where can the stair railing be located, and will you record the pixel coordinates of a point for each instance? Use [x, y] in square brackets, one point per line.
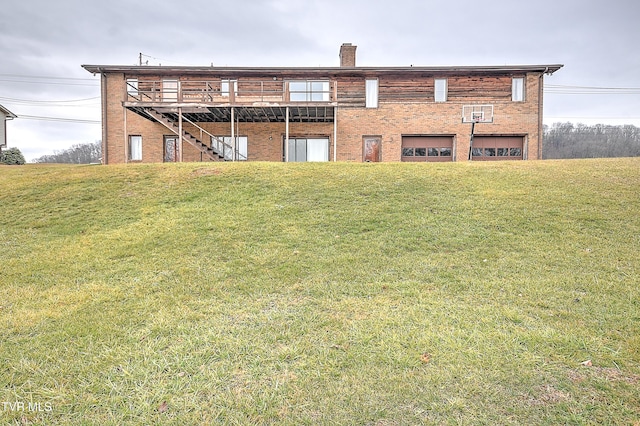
[216, 138]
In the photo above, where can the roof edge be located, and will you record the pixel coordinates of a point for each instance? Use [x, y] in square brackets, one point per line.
[8, 113]
[151, 69]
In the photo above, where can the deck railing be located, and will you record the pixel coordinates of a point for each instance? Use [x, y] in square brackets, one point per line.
[231, 91]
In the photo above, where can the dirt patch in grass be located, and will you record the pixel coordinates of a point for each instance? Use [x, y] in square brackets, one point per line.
[607, 373]
[206, 171]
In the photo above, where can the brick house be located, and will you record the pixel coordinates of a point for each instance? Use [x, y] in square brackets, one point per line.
[345, 113]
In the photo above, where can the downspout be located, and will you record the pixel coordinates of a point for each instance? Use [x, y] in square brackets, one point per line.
[181, 133]
[335, 134]
[541, 111]
[125, 130]
[335, 122]
[105, 132]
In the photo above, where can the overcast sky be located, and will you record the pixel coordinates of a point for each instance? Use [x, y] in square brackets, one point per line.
[44, 42]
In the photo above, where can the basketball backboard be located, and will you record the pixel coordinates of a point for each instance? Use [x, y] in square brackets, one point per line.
[477, 114]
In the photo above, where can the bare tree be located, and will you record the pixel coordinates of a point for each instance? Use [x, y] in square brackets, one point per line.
[77, 154]
[566, 140]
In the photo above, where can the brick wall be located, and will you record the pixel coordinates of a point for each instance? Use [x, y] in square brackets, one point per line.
[391, 120]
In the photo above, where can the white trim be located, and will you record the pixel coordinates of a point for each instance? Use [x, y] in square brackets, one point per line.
[371, 92]
[518, 89]
[440, 94]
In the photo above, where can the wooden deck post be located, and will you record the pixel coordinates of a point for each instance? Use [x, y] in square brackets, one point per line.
[233, 133]
[286, 137]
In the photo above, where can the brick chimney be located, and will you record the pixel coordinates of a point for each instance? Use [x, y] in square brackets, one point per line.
[347, 55]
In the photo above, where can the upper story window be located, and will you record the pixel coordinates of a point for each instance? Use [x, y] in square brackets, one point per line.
[226, 85]
[170, 90]
[440, 90]
[309, 91]
[517, 89]
[132, 87]
[372, 93]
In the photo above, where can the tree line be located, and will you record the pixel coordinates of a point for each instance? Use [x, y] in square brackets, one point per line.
[78, 154]
[560, 140]
[568, 140]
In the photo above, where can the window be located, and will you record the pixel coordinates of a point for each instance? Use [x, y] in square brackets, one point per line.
[308, 149]
[309, 91]
[230, 149]
[372, 93]
[517, 89]
[225, 85]
[170, 90]
[132, 87]
[135, 148]
[441, 89]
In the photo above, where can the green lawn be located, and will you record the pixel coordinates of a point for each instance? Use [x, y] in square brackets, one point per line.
[270, 293]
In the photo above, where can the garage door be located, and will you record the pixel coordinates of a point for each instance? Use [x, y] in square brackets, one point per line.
[427, 148]
[493, 148]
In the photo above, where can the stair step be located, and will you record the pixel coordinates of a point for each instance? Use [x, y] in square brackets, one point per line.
[188, 137]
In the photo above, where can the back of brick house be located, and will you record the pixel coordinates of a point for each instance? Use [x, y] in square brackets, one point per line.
[345, 113]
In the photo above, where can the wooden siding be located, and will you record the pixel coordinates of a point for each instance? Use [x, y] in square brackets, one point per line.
[350, 89]
[487, 88]
[403, 89]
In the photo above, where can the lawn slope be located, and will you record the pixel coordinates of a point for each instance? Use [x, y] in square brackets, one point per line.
[390, 294]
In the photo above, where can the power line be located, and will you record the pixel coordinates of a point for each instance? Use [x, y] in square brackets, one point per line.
[72, 103]
[96, 84]
[49, 101]
[47, 77]
[590, 90]
[61, 119]
[157, 59]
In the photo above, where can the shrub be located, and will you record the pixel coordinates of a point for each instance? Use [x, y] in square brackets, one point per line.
[11, 156]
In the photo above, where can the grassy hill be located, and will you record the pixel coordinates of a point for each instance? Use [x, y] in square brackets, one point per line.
[387, 294]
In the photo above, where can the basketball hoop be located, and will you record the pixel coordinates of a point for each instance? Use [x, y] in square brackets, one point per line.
[477, 114]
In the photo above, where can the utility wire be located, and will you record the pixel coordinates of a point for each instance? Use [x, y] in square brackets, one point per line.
[590, 90]
[43, 102]
[66, 120]
[47, 77]
[96, 84]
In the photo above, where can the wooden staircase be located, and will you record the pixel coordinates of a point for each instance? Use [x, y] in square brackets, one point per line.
[213, 152]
